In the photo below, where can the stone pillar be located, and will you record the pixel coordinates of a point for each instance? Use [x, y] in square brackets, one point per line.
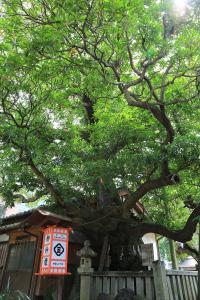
[85, 270]
[160, 280]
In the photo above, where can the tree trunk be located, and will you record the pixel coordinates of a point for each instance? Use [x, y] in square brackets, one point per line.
[173, 255]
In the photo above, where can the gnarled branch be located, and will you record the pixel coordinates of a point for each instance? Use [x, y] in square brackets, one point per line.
[147, 187]
[183, 235]
[46, 182]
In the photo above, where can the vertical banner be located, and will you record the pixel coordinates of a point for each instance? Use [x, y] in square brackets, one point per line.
[54, 256]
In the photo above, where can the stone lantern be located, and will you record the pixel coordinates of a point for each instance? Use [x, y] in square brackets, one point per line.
[85, 270]
[86, 254]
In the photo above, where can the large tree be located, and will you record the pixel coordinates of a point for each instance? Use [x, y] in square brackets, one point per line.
[100, 97]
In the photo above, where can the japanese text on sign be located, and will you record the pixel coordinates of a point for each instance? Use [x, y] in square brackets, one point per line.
[54, 257]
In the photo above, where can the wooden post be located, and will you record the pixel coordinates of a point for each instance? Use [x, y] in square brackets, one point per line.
[33, 286]
[160, 280]
[60, 283]
[104, 253]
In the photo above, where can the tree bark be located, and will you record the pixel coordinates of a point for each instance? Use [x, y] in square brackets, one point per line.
[173, 255]
[182, 235]
[46, 182]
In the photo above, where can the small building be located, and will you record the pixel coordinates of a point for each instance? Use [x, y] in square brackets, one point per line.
[20, 250]
[188, 264]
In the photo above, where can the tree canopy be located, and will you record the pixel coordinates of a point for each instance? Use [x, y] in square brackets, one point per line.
[101, 97]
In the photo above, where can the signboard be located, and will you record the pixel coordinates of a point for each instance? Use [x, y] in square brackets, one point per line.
[147, 254]
[54, 256]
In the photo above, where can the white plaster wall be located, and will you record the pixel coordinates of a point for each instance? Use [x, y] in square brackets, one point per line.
[17, 208]
[150, 238]
[4, 238]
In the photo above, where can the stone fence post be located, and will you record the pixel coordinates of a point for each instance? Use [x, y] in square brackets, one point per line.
[160, 280]
[85, 270]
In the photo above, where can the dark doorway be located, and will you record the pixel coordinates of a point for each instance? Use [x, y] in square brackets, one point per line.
[19, 267]
[3, 255]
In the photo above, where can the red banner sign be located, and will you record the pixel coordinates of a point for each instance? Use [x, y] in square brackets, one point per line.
[54, 257]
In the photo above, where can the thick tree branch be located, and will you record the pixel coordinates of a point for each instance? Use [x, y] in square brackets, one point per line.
[159, 114]
[88, 104]
[46, 182]
[30, 199]
[183, 235]
[147, 187]
[191, 251]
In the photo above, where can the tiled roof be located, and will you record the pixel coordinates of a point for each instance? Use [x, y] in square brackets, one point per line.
[39, 218]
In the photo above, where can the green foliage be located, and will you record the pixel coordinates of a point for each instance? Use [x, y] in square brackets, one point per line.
[17, 295]
[165, 251]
